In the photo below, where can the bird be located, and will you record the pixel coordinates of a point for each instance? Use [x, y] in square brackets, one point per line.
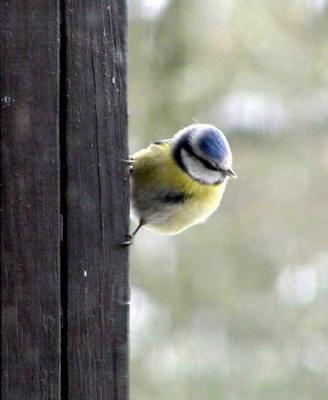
[179, 182]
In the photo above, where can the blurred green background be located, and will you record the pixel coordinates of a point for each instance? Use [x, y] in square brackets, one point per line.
[236, 308]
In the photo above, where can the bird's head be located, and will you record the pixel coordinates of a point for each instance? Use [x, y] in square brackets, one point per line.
[203, 152]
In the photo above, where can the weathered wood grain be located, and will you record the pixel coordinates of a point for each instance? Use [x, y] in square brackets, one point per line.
[97, 200]
[30, 236]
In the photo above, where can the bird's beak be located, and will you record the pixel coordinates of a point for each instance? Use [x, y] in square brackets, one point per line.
[230, 172]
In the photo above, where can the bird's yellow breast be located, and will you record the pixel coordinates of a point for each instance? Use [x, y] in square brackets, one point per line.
[155, 171]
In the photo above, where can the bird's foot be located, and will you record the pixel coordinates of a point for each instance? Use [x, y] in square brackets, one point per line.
[128, 241]
[129, 162]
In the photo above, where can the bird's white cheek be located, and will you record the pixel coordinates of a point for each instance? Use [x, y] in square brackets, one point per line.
[198, 171]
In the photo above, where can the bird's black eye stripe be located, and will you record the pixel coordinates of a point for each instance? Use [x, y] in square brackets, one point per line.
[206, 163]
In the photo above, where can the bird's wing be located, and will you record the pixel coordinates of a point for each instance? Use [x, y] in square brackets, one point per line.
[162, 142]
[153, 146]
[171, 196]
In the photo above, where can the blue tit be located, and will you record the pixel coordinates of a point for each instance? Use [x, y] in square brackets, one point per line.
[179, 182]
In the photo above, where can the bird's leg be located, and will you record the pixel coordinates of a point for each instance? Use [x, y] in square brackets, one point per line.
[130, 237]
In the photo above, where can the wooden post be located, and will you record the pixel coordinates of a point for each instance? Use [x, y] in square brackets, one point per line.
[64, 200]
[97, 201]
[30, 234]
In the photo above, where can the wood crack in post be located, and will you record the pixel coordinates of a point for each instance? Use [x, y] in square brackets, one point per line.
[99, 165]
[63, 201]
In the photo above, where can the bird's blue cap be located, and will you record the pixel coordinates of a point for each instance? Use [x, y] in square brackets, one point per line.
[213, 143]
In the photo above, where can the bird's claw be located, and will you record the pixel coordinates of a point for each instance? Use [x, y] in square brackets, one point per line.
[128, 161]
[129, 240]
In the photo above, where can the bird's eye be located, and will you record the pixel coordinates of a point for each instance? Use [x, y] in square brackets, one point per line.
[211, 165]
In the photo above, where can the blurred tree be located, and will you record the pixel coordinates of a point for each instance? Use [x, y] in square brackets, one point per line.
[241, 313]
